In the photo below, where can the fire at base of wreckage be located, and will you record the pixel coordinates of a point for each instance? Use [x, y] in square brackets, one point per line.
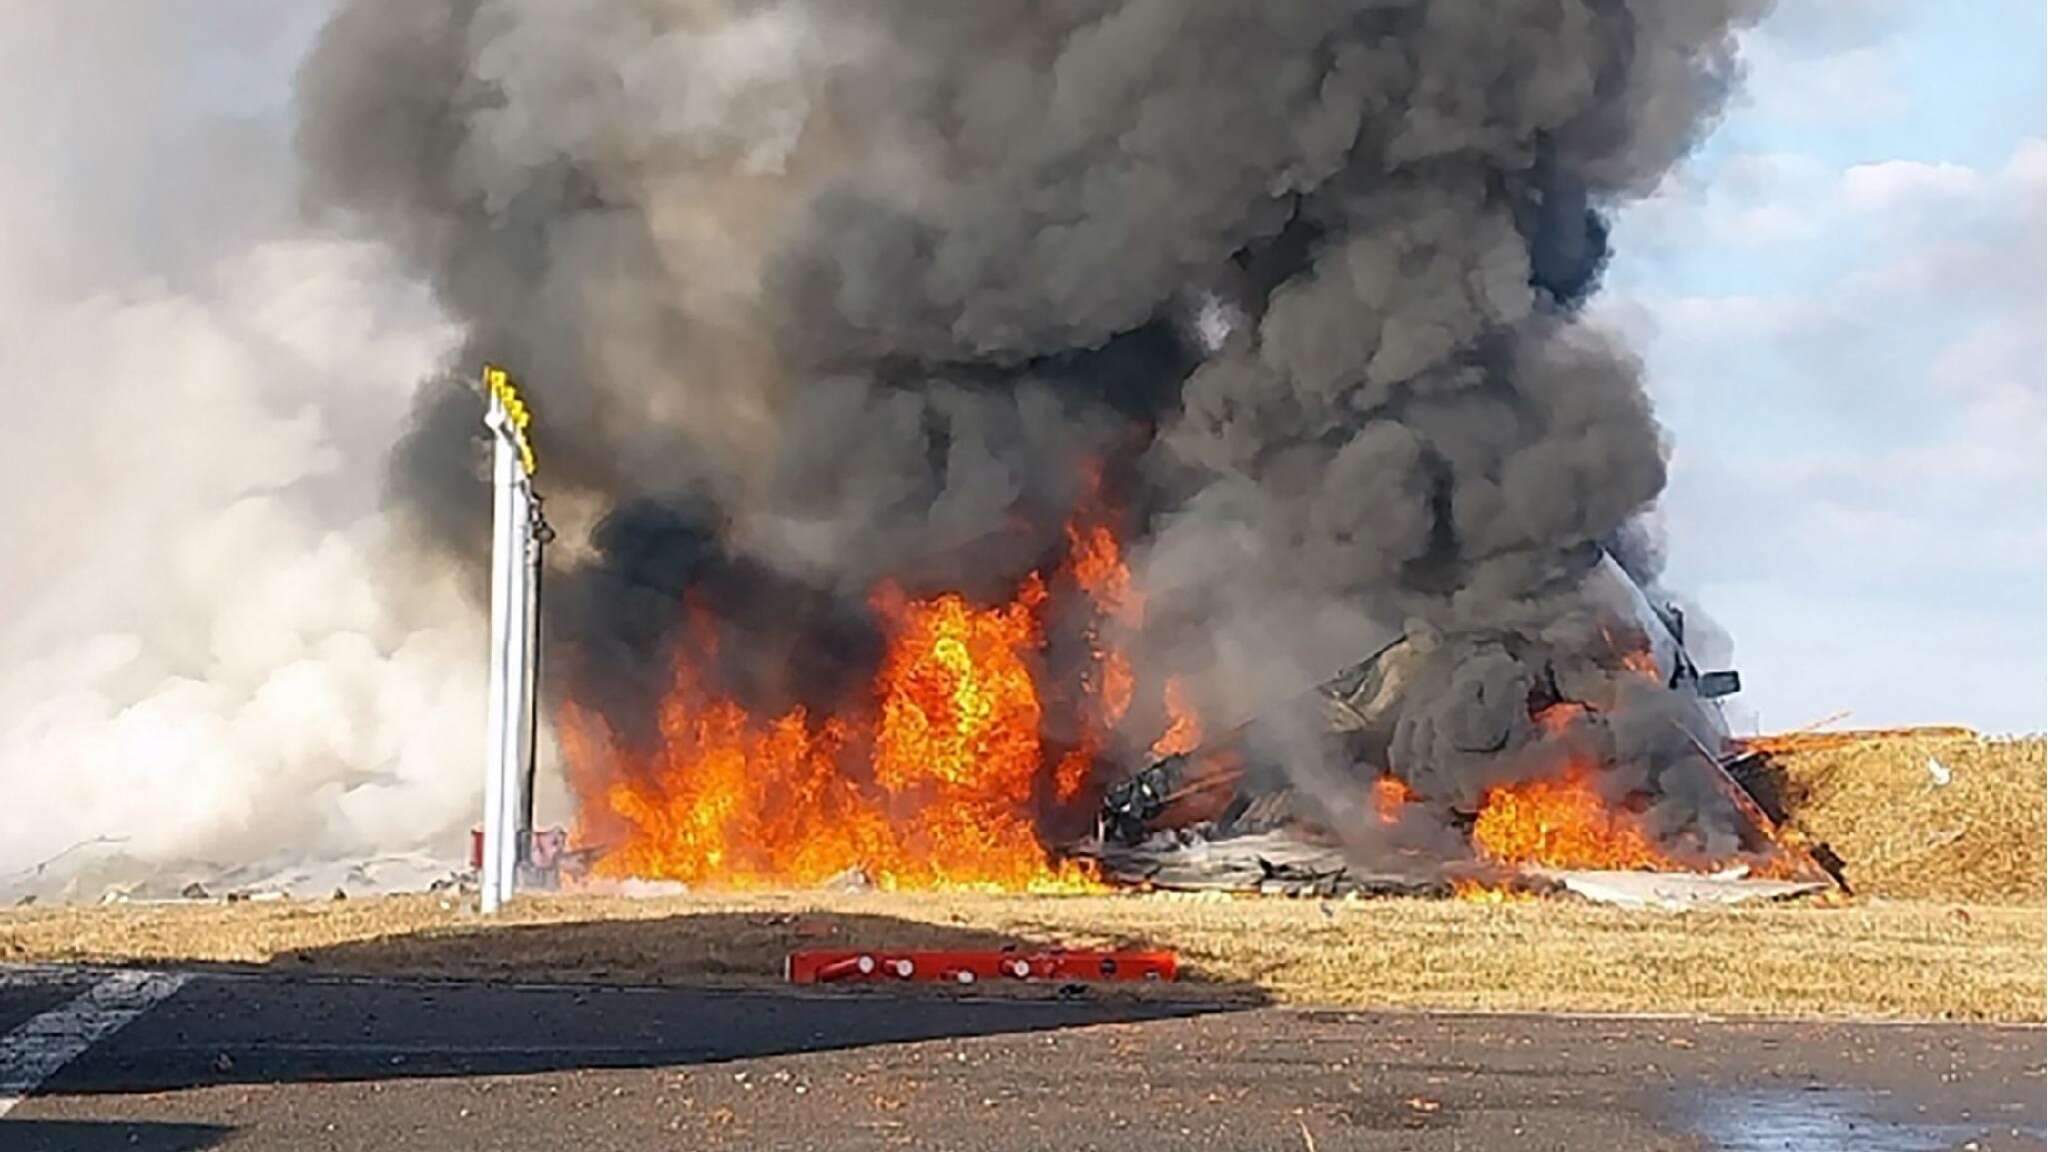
[945, 779]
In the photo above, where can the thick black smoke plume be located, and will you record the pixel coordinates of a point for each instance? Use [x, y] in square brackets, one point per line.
[812, 294]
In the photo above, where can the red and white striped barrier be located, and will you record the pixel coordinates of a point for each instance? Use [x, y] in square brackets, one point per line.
[968, 967]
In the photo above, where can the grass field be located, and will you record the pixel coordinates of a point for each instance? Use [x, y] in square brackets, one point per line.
[1947, 922]
[1897, 960]
[1877, 801]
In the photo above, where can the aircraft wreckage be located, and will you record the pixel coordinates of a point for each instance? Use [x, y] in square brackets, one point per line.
[1239, 814]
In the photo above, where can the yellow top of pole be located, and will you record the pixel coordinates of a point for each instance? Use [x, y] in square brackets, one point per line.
[498, 383]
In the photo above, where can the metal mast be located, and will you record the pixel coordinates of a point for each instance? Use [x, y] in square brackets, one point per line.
[517, 533]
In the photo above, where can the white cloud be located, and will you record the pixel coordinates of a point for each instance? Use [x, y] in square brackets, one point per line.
[1889, 185]
[1751, 200]
[1872, 431]
[1789, 83]
[1823, 27]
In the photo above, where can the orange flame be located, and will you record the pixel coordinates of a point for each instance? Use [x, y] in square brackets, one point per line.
[1389, 794]
[1072, 774]
[1183, 727]
[954, 758]
[1635, 656]
[728, 798]
[958, 705]
[1480, 892]
[1563, 822]
[1097, 562]
[1559, 716]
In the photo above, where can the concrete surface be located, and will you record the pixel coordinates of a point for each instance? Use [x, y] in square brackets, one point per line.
[265, 1062]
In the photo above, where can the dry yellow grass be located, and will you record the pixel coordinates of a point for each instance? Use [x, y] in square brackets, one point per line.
[1979, 838]
[1948, 921]
[1869, 960]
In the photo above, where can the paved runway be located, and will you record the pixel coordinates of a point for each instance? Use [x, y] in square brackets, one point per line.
[176, 1063]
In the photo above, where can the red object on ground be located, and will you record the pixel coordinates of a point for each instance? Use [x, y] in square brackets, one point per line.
[881, 965]
[545, 847]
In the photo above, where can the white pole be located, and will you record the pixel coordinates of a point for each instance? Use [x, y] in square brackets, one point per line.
[505, 563]
[517, 629]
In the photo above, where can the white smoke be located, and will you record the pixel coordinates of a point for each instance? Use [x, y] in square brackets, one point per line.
[213, 643]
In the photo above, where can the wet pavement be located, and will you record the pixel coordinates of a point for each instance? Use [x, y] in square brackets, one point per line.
[267, 1062]
[1821, 1118]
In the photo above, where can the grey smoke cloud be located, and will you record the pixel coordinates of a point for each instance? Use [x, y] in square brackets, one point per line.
[871, 281]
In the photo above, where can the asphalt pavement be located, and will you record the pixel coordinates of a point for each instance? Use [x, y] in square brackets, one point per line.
[171, 1063]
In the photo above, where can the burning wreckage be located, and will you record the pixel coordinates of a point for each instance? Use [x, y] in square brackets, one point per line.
[861, 377]
[1228, 816]
[1487, 765]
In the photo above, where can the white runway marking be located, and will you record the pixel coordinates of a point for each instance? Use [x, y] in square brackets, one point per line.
[35, 1051]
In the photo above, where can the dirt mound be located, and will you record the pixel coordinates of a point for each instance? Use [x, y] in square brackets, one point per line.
[1923, 814]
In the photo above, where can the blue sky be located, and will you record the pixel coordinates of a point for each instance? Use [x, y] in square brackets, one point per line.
[1840, 305]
